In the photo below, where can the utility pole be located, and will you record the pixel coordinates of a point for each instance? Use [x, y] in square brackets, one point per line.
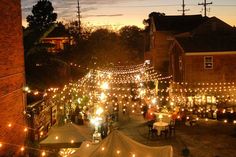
[79, 17]
[183, 10]
[205, 4]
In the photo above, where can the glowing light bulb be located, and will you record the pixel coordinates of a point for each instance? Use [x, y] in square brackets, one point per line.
[72, 141]
[118, 151]
[87, 145]
[103, 148]
[99, 111]
[43, 153]
[9, 125]
[22, 149]
[41, 133]
[26, 89]
[56, 137]
[105, 86]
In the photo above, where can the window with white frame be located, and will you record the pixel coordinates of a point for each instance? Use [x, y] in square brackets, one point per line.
[208, 62]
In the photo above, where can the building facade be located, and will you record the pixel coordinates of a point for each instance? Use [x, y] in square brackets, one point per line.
[162, 33]
[12, 100]
[207, 54]
[199, 54]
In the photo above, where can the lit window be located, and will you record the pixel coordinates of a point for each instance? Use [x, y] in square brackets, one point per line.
[208, 62]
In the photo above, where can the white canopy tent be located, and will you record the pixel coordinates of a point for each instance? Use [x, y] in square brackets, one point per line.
[66, 136]
[117, 144]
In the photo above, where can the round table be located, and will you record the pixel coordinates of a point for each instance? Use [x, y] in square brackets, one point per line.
[160, 126]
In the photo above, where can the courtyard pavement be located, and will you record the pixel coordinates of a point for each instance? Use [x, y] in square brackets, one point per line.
[206, 139]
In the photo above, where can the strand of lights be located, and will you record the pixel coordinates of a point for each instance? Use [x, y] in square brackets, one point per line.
[23, 148]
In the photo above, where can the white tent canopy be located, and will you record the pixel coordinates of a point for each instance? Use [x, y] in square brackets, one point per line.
[117, 144]
[66, 136]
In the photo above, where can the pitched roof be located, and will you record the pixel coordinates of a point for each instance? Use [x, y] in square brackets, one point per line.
[58, 31]
[212, 25]
[208, 43]
[177, 23]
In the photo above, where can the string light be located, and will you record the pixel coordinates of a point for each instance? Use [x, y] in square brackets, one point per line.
[26, 129]
[43, 153]
[118, 151]
[117, 79]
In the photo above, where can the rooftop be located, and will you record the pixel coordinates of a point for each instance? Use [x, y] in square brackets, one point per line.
[208, 43]
[177, 23]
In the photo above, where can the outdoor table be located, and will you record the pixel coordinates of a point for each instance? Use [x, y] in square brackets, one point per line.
[160, 126]
[165, 117]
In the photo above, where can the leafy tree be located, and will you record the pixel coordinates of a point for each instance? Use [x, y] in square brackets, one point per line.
[132, 38]
[43, 15]
[106, 46]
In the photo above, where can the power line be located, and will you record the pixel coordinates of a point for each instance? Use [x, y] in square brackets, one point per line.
[205, 4]
[79, 17]
[183, 10]
[167, 5]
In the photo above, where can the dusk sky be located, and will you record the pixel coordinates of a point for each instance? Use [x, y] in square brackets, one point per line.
[118, 13]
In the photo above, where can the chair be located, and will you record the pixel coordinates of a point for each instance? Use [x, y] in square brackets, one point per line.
[165, 132]
[172, 127]
[151, 132]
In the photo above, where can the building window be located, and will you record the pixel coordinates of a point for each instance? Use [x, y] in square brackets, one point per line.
[208, 62]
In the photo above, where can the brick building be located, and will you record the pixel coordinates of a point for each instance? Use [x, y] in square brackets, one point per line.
[12, 79]
[199, 53]
[206, 54]
[162, 32]
[192, 48]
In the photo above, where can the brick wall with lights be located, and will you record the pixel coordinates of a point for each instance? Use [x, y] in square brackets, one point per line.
[12, 100]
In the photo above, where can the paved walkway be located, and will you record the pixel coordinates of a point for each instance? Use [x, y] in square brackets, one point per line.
[206, 139]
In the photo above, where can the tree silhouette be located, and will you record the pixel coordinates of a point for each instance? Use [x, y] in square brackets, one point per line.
[42, 15]
[132, 38]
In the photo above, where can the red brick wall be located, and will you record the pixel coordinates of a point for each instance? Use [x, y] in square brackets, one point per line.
[224, 69]
[11, 76]
[160, 51]
[174, 68]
